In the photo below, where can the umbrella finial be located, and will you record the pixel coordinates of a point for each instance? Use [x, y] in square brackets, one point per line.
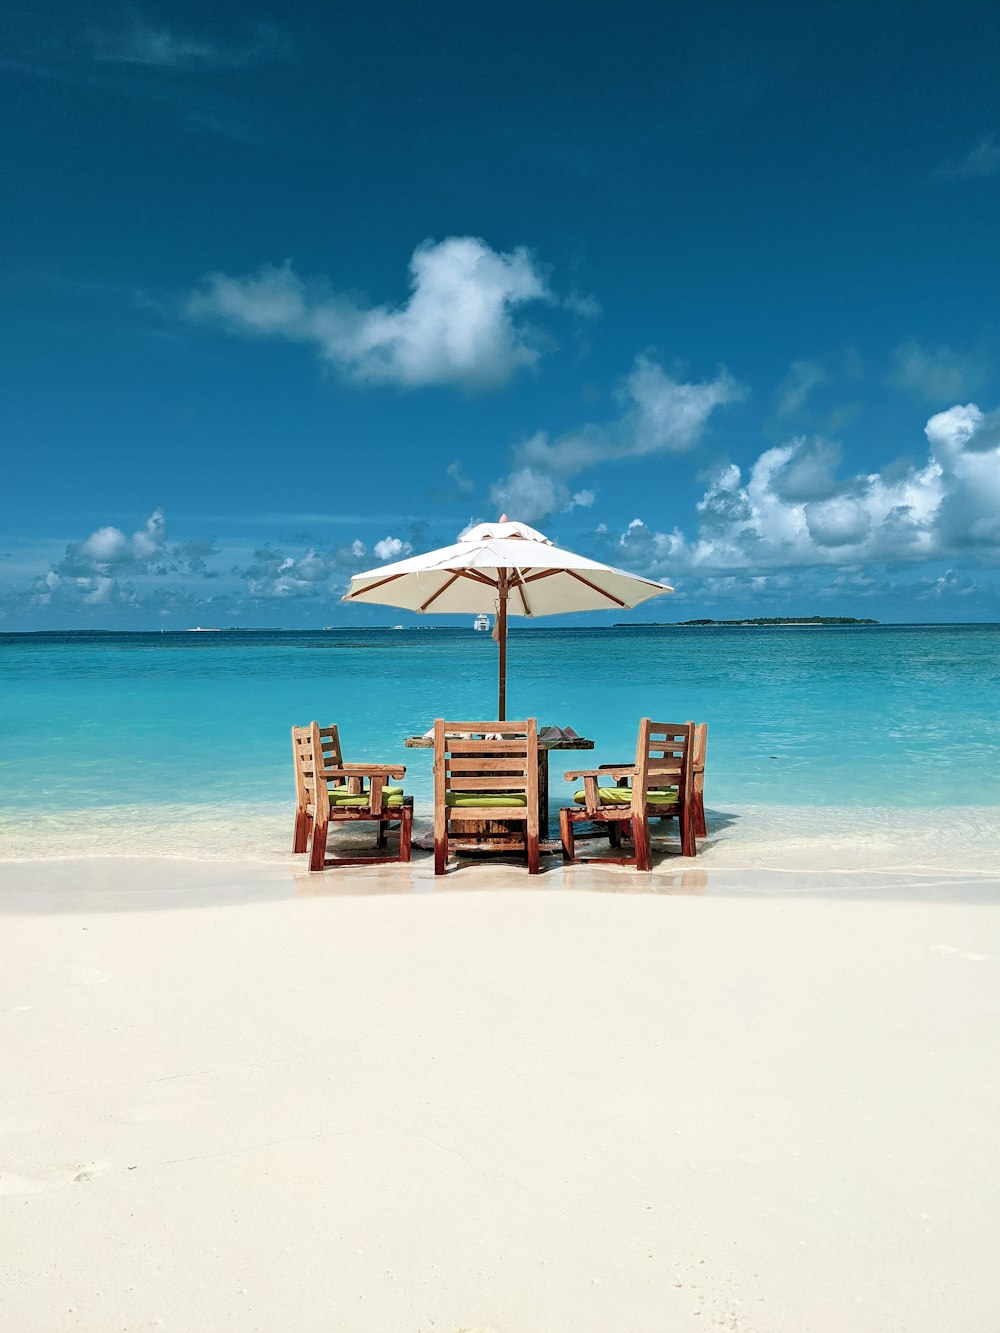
[503, 519]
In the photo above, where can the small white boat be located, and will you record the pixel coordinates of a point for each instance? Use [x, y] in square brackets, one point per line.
[482, 623]
[397, 627]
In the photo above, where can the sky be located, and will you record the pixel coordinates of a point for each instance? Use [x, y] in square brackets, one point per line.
[704, 290]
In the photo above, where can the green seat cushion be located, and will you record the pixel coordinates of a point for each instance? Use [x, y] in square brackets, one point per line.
[339, 799]
[623, 796]
[462, 800]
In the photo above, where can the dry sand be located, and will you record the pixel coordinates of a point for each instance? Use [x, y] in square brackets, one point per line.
[730, 1100]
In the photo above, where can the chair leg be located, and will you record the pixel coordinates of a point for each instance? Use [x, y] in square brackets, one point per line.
[566, 835]
[405, 832]
[614, 833]
[317, 849]
[440, 837]
[686, 820]
[698, 811]
[531, 847]
[380, 835]
[640, 837]
[300, 836]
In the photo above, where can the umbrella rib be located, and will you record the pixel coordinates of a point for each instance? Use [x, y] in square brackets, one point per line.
[544, 574]
[434, 596]
[520, 589]
[372, 586]
[593, 586]
[476, 577]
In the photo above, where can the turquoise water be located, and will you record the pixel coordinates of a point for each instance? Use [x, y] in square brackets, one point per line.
[901, 716]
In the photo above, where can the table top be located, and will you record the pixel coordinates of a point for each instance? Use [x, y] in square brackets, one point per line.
[580, 743]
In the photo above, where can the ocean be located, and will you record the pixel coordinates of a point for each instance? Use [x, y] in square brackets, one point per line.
[188, 734]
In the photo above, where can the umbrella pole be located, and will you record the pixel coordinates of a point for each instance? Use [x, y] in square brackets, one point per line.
[502, 640]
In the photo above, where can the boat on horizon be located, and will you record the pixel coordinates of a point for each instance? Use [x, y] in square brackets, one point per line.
[482, 623]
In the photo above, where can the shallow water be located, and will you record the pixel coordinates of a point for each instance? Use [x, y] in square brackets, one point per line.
[901, 717]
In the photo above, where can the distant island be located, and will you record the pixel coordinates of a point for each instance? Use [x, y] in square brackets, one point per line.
[758, 620]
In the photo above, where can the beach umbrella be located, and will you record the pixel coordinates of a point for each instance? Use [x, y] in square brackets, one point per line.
[510, 568]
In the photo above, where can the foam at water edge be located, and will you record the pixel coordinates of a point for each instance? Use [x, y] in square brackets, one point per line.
[964, 838]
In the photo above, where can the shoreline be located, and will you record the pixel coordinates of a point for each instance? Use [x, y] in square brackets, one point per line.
[777, 838]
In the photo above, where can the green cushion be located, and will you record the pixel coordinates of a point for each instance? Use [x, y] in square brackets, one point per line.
[338, 799]
[462, 800]
[623, 796]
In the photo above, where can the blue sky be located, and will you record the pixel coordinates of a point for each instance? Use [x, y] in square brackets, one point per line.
[705, 290]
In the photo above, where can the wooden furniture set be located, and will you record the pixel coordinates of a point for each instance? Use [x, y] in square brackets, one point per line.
[489, 792]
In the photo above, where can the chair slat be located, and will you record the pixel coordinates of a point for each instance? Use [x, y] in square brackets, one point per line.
[479, 813]
[488, 728]
[501, 783]
[495, 765]
[465, 747]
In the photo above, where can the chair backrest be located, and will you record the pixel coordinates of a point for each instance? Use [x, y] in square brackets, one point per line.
[663, 760]
[486, 757]
[313, 747]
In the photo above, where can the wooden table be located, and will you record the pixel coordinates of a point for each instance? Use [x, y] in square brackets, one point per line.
[494, 826]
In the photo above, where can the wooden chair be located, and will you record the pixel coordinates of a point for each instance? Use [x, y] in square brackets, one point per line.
[336, 793]
[661, 786]
[478, 779]
[305, 790]
[697, 783]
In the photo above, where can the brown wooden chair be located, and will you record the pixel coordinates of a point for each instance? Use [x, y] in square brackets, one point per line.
[478, 780]
[305, 790]
[697, 782]
[660, 787]
[336, 793]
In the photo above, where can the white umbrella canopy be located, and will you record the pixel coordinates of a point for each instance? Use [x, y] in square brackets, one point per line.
[507, 567]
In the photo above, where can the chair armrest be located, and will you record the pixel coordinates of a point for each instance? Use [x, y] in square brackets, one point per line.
[363, 771]
[606, 771]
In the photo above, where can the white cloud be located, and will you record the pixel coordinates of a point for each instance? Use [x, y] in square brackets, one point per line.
[275, 575]
[659, 415]
[463, 485]
[391, 548]
[982, 159]
[936, 375]
[527, 495]
[790, 512]
[458, 325]
[91, 570]
[139, 42]
[109, 546]
[106, 546]
[965, 444]
[798, 384]
[809, 472]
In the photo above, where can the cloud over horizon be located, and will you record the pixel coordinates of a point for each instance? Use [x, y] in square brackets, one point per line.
[459, 325]
[790, 512]
[658, 415]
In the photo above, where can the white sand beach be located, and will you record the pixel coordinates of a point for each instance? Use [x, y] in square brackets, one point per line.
[239, 1097]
